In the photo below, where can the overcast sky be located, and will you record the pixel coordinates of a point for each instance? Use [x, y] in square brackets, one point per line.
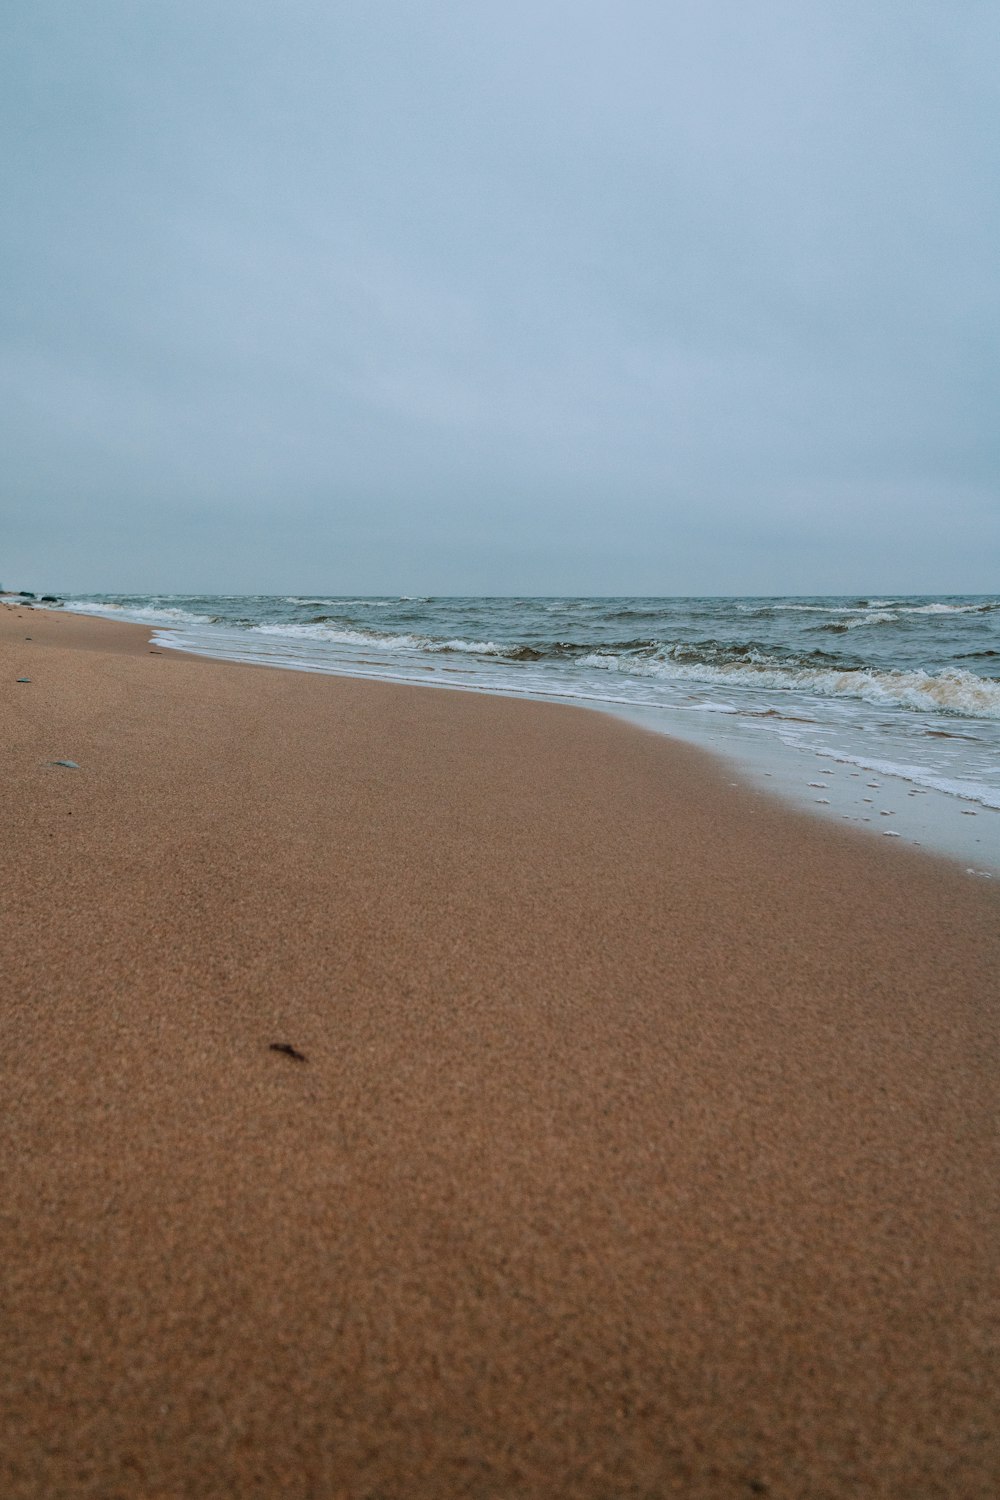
[651, 296]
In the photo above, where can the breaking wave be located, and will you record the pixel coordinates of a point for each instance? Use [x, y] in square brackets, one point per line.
[955, 691]
[320, 629]
[141, 614]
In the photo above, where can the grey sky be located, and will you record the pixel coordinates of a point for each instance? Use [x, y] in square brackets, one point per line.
[695, 296]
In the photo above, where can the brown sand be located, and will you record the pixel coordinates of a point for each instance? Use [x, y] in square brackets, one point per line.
[646, 1143]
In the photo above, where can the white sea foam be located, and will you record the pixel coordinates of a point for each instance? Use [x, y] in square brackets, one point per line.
[876, 617]
[474, 648]
[140, 614]
[832, 609]
[947, 609]
[955, 691]
[876, 611]
[968, 791]
[338, 635]
[330, 602]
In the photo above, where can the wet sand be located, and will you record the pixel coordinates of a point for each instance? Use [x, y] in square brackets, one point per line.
[645, 1141]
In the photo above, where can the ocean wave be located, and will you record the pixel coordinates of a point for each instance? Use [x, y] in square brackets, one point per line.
[337, 630]
[321, 630]
[303, 602]
[831, 609]
[868, 614]
[841, 627]
[878, 610]
[716, 653]
[949, 609]
[737, 663]
[144, 614]
[955, 691]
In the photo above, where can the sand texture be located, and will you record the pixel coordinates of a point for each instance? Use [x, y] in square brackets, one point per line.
[645, 1141]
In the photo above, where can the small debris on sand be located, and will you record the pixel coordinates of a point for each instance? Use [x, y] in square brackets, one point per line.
[288, 1050]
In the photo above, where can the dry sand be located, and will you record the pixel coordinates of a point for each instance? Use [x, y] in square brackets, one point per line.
[646, 1142]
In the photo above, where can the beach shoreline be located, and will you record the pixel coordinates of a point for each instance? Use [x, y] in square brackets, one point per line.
[642, 1138]
[889, 733]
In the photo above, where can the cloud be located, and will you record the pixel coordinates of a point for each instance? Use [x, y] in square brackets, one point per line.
[531, 295]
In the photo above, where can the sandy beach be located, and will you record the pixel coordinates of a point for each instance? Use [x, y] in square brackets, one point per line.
[642, 1137]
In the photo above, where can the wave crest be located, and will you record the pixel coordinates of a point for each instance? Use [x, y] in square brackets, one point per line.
[954, 691]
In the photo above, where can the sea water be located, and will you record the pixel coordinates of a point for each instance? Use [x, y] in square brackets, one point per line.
[880, 712]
